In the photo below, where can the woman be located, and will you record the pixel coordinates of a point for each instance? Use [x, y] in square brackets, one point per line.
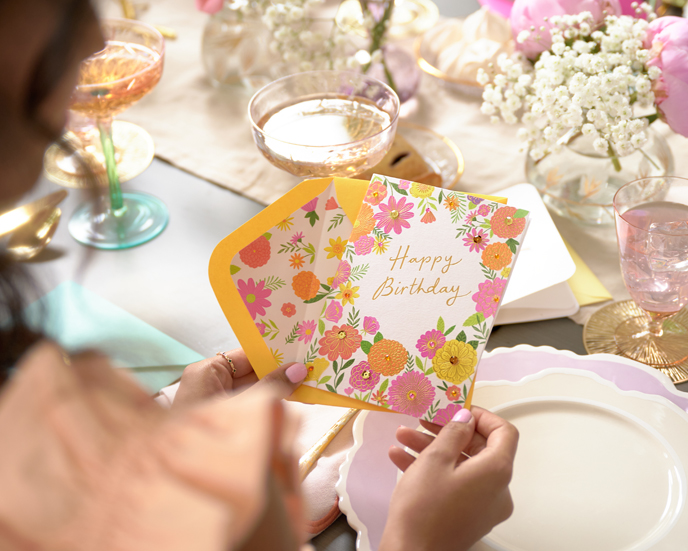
[89, 461]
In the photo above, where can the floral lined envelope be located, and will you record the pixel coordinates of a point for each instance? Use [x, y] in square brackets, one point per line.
[387, 291]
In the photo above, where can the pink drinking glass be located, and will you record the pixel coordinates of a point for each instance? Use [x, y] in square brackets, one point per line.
[652, 230]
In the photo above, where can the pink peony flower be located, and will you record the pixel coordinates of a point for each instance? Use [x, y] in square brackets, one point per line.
[209, 6]
[668, 39]
[255, 296]
[430, 342]
[404, 184]
[363, 378]
[532, 13]
[444, 416]
[502, 7]
[364, 245]
[483, 210]
[411, 393]
[334, 312]
[394, 215]
[370, 325]
[489, 296]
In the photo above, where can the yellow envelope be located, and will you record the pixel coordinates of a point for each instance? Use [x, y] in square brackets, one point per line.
[349, 196]
[584, 283]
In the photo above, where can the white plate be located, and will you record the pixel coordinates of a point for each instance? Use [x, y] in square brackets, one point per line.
[598, 468]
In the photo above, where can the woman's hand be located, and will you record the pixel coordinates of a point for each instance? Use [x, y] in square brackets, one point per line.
[446, 500]
[214, 377]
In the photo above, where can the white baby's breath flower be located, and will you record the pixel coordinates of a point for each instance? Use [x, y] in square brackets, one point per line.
[601, 145]
[482, 77]
[522, 37]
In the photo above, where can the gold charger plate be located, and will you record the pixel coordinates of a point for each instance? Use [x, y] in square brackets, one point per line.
[134, 151]
[440, 153]
[598, 336]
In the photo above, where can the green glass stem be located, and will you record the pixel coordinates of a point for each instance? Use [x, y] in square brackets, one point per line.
[105, 129]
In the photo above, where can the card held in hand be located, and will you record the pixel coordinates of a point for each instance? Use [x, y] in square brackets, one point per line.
[387, 291]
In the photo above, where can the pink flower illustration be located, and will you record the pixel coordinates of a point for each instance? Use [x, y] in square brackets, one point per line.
[370, 325]
[476, 240]
[470, 216]
[394, 215]
[310, 206]
[483, 210]
[411, 393]
[342, 274]
[306, 331]
[363, 378]
[296, 237]
[331, 204]
[261, 328]
[349, 391]
[364, 245]
[404, 184]
[376, 193]
[255, 296]
[288, 309]
[334, 311]
[430, 342]
[489, 296]
[445, 415]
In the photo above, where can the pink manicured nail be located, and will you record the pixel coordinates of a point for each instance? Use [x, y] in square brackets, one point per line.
[297, 373]
[462, 416]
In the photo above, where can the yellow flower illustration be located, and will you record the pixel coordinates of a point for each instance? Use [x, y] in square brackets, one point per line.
[277, 356]
[380, 246]
[347, 293]
[336, 248]
[455, 361]
[506, 272]
[315, 369]
[285, 224]
[421, 191]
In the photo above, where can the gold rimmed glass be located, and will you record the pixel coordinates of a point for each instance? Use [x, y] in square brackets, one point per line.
[324, 123]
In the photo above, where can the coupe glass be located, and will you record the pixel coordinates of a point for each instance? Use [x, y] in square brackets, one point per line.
[324, 123]
[652, 229]
[110, 81]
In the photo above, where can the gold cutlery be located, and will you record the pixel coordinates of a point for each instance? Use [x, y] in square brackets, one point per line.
[31, 238]
[15, 218]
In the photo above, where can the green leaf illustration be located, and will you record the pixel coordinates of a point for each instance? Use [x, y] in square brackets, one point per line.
[321, 327]
[324, 379]
[419, 364]
[267, 235]
[474, 344]
[234, 269]
[312, 217]
[440, 325]
[378, 337]
[475, 319]
[383, 386]
[330, 388]
[448, 331]
[366, 346]
[513, 244]
[520, 213]
[461, 337]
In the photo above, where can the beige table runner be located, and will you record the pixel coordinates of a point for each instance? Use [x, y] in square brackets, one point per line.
[206, 132]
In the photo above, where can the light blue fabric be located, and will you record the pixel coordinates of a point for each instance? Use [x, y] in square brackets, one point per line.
[78, 319]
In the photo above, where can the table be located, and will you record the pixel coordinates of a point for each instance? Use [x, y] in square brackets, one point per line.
[165, 282]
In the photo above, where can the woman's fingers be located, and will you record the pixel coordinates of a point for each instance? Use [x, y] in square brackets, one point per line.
[284, 380]
[413, 439]
[402, 459]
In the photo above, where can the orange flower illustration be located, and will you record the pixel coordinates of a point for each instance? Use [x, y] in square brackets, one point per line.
[305, 285]
[296, 261]
[387, 357]
[364, 223]
[497, 256]
[376, 192]
[342, 340]
[451, 202]
[504, 224]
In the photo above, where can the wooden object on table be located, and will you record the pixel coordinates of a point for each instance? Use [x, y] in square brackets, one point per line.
[403, 161]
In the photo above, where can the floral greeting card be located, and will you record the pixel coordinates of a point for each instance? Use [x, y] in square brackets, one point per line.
[391, 306]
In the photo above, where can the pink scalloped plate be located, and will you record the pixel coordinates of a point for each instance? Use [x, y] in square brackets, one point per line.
[631, 400]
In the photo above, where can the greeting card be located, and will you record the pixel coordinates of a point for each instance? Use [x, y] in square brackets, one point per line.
[386, 290]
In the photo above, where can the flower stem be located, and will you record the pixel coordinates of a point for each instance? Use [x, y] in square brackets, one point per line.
[614, 157]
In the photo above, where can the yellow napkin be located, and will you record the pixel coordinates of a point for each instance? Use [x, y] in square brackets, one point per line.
[584, 283]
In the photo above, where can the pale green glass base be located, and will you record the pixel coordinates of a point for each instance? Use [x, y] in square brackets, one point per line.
[141, 219]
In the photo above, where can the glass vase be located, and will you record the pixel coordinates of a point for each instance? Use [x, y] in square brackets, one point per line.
[234, 50]
[579, 183]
